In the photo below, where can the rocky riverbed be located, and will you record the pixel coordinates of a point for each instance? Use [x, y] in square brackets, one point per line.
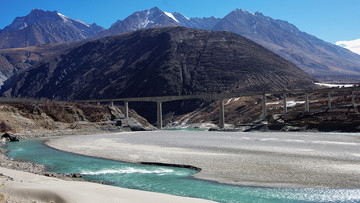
[35, 168]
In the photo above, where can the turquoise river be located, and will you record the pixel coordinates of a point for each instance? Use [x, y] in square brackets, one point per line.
[175, 181]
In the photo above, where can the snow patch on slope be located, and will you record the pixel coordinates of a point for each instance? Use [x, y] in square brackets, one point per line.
[87, 25]
[24, 26]
[232, 100]
[171, 16]
[335, 85]
[65, 18]
[182, 16]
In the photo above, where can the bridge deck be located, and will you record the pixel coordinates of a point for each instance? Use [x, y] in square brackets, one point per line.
[220, 97]
[216, 96]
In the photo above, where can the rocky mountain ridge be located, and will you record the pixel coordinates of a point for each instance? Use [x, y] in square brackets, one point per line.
[205, 23]
[321, 59]
[155, 17]
[140, 20]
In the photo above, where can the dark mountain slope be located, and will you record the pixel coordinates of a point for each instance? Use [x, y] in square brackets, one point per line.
[155, 62]
[44, 27]
[18, 59]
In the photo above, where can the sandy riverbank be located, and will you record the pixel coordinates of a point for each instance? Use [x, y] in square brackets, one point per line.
[254, 159]
[18, 186]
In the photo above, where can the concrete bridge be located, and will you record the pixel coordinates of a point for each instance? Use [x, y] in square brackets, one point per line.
[221, 97]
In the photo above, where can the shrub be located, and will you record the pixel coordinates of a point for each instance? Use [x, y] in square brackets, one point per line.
[93, 113]
[58, 111]
[4, 127]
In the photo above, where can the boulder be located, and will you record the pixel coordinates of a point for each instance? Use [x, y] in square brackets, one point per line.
[132, 123]
[115, 113]
[288, 128]
[10, 137]
[76, 175]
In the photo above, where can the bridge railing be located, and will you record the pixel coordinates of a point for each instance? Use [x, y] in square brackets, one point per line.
[22, 100]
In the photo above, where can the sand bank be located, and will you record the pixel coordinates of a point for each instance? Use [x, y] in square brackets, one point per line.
[18, 186]
[253, 159]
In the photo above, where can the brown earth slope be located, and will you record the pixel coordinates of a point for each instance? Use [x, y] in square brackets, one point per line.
[48, 117]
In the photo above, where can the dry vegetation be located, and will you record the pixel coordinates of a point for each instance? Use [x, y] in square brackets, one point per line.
[30, 118]
[4, 127]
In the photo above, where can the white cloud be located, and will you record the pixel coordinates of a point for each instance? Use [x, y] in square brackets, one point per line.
[353, 45]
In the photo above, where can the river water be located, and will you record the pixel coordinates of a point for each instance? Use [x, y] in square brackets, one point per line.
[170, 180]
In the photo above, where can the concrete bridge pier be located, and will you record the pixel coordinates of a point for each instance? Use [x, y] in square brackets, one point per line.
[353, 101]
[307, 108]
[264, 110]
[159, 115]
[284, 104]
[126, 104]
[221, 114]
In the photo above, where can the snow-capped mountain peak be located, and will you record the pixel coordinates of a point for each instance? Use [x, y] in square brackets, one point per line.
[155, 17]
[242, 11]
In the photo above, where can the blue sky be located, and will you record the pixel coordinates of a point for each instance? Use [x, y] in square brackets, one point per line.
[330, 20]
